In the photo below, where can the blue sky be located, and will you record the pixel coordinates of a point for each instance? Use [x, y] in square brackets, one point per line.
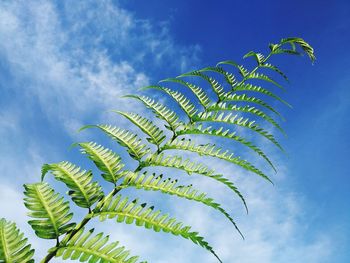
[64, 64]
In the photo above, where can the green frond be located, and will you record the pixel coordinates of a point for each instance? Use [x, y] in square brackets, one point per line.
[161, 111]
[225, 133]
[274, 68]
[215, 85]
[261, 90]
[260, 59]
[107, 161]
[50, 212]
[229, 77]
[13, 244]
[190, 168]
[223, 106]
[261, 76]
[169, 186]
[185, 104]
[133, 212]
[85, 247]
[230, 118]
[156, 135]
[302, 43]
[243, 71]
[125, 138]
[213, 151]
[83, 192]
[250, 99]
[201, 95]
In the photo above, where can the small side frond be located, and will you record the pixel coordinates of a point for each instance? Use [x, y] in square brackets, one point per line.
[229, 77]
[83, 192]
[161, 111]
[156, 135]
[125, 138]
[201, 95]
[223, 106]
[107, 161]
[302, 43]
[274, 68]
[239, 121]
[13, 244]
[133, 212]
[260, 59]
[185, 104]
[189, 167]
[225, 133]
[243, 71]
[85, 247]
[49, 209]
[213, 151]
[264, 77]
[169, 186]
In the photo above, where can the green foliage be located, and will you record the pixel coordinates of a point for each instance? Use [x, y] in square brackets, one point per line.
[222, 109]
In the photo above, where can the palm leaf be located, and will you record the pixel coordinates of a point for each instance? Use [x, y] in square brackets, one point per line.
[85, 247]
[168, 186]
[125, 138]
[13, 244]
[83, 191]
[156, 135]
[105, 159]
[49, 209]
[133, 212]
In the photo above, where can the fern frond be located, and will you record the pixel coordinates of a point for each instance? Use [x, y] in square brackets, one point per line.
[185, 104]
[169, 186]
[156, 135]
[85, 247]
[260, 59]
[236, 120]
[83, 192]
[125, 138]
[49, 209]
[107, 161]
[215, 85]
[274, 68]
[243, 71]
[223, 106]
[225, 133]
[133, 212]
[261, 76]
[201, 95]
[161, 111]
[302, 43]
[213, 151]
[190, 167]
[13, 244]
[249, 99]
[261, 90]
[229, 77]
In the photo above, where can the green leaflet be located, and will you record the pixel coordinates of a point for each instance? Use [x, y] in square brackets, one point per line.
[229, 77]
[243, 71]
[132, 212]
[223, 106]
[168, 186]
[161, 111]
[201, 95]
[224, 133]
[50, 212]
[260, 59]
[105, 159]
[264, 77]
[250, 99]
[214, 84]
[213, 151]
[83, 191]
[131, 141]
[236, 120]
[87, 248]
[156, 135]
[184, 103]
[190, 168]
[274, 68]
[13, 244]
